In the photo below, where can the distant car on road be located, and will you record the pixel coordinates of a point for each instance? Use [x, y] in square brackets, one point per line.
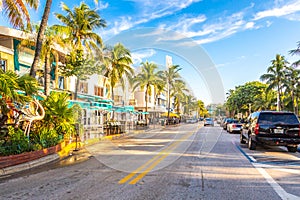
[208, 122]
[272, 128]
[191, 120]
[234, 126]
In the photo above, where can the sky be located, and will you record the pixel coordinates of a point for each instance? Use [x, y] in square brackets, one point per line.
[219, 44]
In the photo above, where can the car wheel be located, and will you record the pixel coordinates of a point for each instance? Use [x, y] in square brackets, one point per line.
[251, 144]
[291, 149]
[242, 139]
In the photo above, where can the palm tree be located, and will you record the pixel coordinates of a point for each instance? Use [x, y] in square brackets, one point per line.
[296, 52]
[16, 11]
[116, 66]
[188, 104]
[145, 79]
[275, 76]
[171, 75]
[290, 83]
[40, 38]
[201, 110]
[178, 92]
[52, 37]
[78, 27]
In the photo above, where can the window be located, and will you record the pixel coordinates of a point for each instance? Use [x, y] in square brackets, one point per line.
[3, 64]
[83, 87]
[99, 91]
[61, 82]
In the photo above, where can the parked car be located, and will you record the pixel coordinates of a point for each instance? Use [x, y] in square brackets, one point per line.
[208, 122]
[234, 126]
[225, 122]
[272, 128]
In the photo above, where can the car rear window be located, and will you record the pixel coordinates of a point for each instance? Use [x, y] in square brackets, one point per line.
[273, 118]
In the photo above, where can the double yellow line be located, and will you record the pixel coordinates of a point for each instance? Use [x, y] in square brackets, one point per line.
[148, 166]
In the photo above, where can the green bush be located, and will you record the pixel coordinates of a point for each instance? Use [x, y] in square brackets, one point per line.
[15, 143]
[46, 138]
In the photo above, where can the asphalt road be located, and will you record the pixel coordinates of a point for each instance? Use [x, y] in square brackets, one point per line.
[184, 162]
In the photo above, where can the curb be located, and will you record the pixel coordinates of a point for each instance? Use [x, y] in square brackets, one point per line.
[28, 165]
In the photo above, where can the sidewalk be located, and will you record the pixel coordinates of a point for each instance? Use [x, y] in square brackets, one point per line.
[70, 150]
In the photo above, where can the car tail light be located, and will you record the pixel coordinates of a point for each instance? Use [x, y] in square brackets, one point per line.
[256, 128]
[233, 126]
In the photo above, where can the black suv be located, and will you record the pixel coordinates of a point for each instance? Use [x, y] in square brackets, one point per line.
[272, 128]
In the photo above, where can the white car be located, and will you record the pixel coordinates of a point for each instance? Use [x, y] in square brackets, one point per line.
[234, 126]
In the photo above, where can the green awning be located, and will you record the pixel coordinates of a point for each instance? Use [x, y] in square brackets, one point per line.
[82, 104]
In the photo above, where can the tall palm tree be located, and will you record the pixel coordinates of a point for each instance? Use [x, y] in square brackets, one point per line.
[201, 110]
[79, 26]
[40, 38]
[296, 52]
[117, 66]
[171, 75]
[52, 37]
[290, 83]
[16, 11]
[188, 103]
[145, 79]
[178, 92]
[275, 76]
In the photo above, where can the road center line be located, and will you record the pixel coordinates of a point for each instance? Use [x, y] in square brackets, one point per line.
[155, 161]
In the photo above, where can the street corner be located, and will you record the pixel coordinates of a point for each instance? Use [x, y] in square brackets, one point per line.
[68, 149]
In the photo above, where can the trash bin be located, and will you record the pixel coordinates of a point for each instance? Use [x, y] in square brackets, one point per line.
[162, 122]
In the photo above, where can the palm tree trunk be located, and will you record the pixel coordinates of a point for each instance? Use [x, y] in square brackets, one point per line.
[278, 99]
[293, 101]
[112, 98]
[40, 38]
[47, 75]
[297, 106]
[146, 100]
[169, 102]
[76, 88]
[56, 71]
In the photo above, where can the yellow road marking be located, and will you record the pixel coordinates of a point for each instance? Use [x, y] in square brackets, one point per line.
[155, 161]
[125, 179]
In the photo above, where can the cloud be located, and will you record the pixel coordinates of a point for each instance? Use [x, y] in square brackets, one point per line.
[211, 31]
[139, 56]
[279, 11]
[148, 10]
[249, 25]
[103, 5]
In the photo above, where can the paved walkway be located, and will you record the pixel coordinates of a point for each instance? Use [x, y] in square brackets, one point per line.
[72, 150]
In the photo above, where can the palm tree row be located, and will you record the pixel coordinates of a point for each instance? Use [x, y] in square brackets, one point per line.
[169, 82]
[284, 78]
[281, 89]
